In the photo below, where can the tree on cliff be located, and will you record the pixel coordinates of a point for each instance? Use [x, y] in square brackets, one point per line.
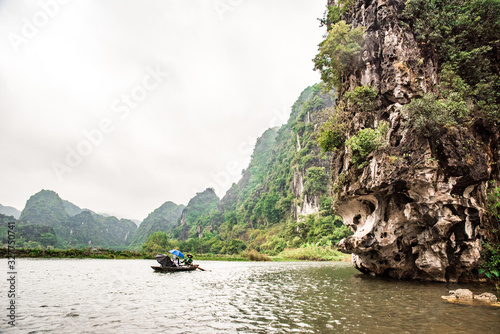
[338, 53]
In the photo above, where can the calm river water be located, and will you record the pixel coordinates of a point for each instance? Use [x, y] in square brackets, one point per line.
[126, 296]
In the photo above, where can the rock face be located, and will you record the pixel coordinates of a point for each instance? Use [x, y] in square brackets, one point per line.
[466, 297]
[418, 207]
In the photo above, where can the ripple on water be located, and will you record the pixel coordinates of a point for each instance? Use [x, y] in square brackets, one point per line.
[126, 296]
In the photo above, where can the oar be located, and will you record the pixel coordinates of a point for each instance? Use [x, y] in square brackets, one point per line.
[194, 265]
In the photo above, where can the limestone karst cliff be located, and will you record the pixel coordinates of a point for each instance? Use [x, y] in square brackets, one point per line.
[417, 201]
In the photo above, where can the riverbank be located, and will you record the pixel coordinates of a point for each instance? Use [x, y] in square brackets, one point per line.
[292, 254]
[83, 253]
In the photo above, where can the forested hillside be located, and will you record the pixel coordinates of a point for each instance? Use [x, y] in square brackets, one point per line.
[47, 220]
[162, 219]
[283, 198]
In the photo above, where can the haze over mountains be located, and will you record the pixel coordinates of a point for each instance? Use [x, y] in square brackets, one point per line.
[10, 211]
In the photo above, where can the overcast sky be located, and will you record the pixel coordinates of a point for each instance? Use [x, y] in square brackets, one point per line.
[122, 105]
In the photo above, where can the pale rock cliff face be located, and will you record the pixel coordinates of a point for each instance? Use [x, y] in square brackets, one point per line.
[418, 208]
[310, 204]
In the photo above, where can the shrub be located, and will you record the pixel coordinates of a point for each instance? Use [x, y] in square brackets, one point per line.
[316, 181]
[464, 36]
[362, 99]
[429, 114]
[366, 141]
[253, 255]
[338, 53]
[331, 135]
[491, 265]
[311, 252]
[493, 203]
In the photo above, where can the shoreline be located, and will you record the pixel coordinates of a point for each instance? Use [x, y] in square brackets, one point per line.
[87, 253]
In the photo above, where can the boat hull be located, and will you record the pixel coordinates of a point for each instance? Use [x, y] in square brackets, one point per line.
[173, 269]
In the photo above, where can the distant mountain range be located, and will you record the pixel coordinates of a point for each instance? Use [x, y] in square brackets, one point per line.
[10, 211]
[47, 220]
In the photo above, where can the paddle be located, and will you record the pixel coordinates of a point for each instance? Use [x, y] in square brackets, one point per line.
[194, 265]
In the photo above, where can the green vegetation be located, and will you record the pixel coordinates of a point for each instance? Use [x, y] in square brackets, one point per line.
[158, 242]
[463, 34]
[196, 212]
[253, 255]
[331, 134]
[48, 221]
[255, 219]
[493, 203]
[429, 115]
[365, 142]
[362, 99]
[314, 253]
[338, 53]
[162, 219]
[258, 217]
[74, 253]
[334, 13]
[491, 265]
[316, 181]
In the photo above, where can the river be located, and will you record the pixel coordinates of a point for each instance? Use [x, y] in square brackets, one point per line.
[126, 296]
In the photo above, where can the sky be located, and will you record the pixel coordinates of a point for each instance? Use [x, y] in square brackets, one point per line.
[122, 105]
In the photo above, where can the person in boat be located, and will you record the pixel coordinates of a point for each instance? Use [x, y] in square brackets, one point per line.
[188, 260]
[174, 258]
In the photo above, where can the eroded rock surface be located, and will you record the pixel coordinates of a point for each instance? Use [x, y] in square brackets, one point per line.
[418, 207]
[466, 297]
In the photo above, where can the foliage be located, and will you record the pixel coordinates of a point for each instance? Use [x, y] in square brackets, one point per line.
[323, 229]
[331, 134]
[196, 214]
[493, 203]
[338, 53]
[429, 114]
[202, 204]
[464, 36]
[491, 265]
[44, 208]
[362, 99]
[162, 219]
[254, 255]
[45, 222]
[75, 253]
[158, 243]
[334, 13]
[311, 252]
[366, 141]
[316, 181]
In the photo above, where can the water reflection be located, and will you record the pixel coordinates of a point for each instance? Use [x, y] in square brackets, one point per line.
[126, 296]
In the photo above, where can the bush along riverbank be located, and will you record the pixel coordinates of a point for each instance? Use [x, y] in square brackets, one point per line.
[306, 253]
[75, 253]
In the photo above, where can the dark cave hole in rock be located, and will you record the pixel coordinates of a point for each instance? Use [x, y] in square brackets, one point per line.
[370, 205]
[356, 220]
[473, 215]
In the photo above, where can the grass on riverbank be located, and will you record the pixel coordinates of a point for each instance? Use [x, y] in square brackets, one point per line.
[307, 253]
[314, 253]
[74, 253]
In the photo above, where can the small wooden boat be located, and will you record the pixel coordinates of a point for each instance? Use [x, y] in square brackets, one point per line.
[173, 268]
